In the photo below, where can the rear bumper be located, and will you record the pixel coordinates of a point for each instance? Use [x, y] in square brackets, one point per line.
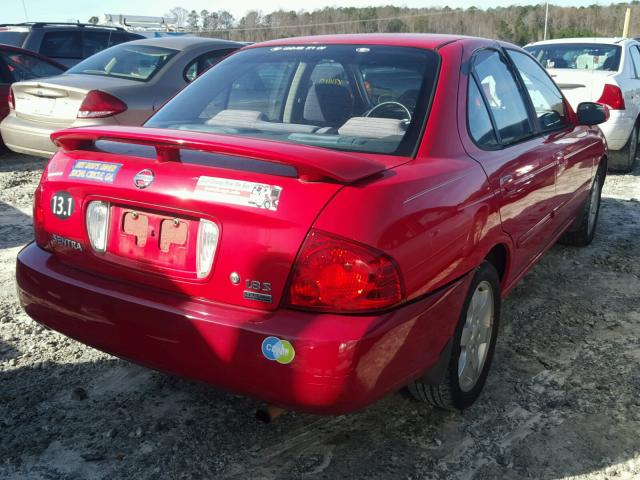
[34, 138]
[24, 137]
[618, 128]
[341, 363]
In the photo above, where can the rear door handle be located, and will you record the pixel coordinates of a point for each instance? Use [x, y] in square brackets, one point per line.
[506, 183]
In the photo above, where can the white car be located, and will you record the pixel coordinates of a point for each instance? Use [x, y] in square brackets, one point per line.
[603, 70]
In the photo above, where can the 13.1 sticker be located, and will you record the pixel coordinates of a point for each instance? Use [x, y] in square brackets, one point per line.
[62, 205]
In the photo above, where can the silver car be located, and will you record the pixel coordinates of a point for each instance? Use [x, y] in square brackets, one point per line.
[122, 85]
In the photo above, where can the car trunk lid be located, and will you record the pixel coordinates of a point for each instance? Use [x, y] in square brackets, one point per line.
[162, 184]
[56, 100]
[580, 85]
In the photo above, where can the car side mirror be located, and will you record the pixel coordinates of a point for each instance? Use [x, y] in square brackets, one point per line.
[590, 113]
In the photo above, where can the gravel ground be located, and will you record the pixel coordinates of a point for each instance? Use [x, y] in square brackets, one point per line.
[562, 400]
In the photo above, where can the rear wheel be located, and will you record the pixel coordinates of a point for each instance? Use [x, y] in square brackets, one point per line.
[584, 229]
[623, 160]
[473, 346]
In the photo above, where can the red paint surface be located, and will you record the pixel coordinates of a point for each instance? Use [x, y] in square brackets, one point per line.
[437, 216]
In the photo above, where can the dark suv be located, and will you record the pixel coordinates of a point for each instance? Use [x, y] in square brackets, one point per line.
[68, 43]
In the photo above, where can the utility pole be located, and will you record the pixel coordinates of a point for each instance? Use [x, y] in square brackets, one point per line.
[26, 16]
[627, 21]
[546, 21]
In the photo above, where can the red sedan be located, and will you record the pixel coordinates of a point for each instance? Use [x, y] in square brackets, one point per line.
[318, 221]
[17, 64]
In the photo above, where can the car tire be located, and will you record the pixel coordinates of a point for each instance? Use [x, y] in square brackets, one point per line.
[583, 229]
[624, 159]
[474, 338]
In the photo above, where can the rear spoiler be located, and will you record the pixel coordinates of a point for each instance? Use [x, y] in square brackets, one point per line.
[311, 163]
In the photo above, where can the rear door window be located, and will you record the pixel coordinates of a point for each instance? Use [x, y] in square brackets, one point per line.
[545, 96]
[62, 44]
[503, 97]
[21, 66]
[480, 126]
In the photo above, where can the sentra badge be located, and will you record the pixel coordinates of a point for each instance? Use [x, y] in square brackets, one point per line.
[143, 178]
[280, 351]
[66, 242]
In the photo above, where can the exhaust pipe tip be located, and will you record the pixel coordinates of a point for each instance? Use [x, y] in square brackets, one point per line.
[269, 414]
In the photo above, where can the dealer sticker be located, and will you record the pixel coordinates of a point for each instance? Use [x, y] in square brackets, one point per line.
[103, 172]
[238, 192]
[278, 350]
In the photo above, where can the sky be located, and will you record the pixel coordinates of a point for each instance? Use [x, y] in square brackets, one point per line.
[12, 11]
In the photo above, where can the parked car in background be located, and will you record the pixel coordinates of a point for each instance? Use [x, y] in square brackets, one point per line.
[17, 64]
[122, 85]
[318, 221]
[603, 70]
[67, 43]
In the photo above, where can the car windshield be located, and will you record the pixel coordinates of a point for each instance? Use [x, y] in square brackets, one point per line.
[345, 97]
[15, 39]
[135, 62]
[578, 56]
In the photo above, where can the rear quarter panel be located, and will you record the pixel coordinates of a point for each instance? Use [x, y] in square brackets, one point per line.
[434, 215]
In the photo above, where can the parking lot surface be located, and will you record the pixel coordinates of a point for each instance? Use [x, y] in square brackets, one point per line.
[562, 400]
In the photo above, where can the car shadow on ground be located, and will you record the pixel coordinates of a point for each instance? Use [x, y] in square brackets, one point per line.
[110, 419]
[561, 400]
[12, 162]
[15, 227]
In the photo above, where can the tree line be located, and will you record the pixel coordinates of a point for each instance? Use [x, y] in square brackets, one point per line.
[517, 24]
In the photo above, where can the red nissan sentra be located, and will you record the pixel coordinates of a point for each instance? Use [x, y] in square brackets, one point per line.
[318, 222]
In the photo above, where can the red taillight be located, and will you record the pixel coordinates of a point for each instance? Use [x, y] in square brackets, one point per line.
[99, 104]
[333, 274]
[40, 234]
[10, 100]
[612, 97]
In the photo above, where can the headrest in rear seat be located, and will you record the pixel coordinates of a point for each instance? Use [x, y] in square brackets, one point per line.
[372, 127]
[237, 117]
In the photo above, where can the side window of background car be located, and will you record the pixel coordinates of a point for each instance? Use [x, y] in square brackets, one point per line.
[203, 62]
[118, 37]
[62, 45]
[480, 126]
[21, 66]
[545, 96]
[635, 59]
[503, 97]
[93, 42]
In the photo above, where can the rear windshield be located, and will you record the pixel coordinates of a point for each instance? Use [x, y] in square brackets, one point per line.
[135, 62]
[345, 97]
[15, 39]
[579, 56]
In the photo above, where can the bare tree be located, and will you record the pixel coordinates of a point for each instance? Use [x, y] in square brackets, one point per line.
[180, 14]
